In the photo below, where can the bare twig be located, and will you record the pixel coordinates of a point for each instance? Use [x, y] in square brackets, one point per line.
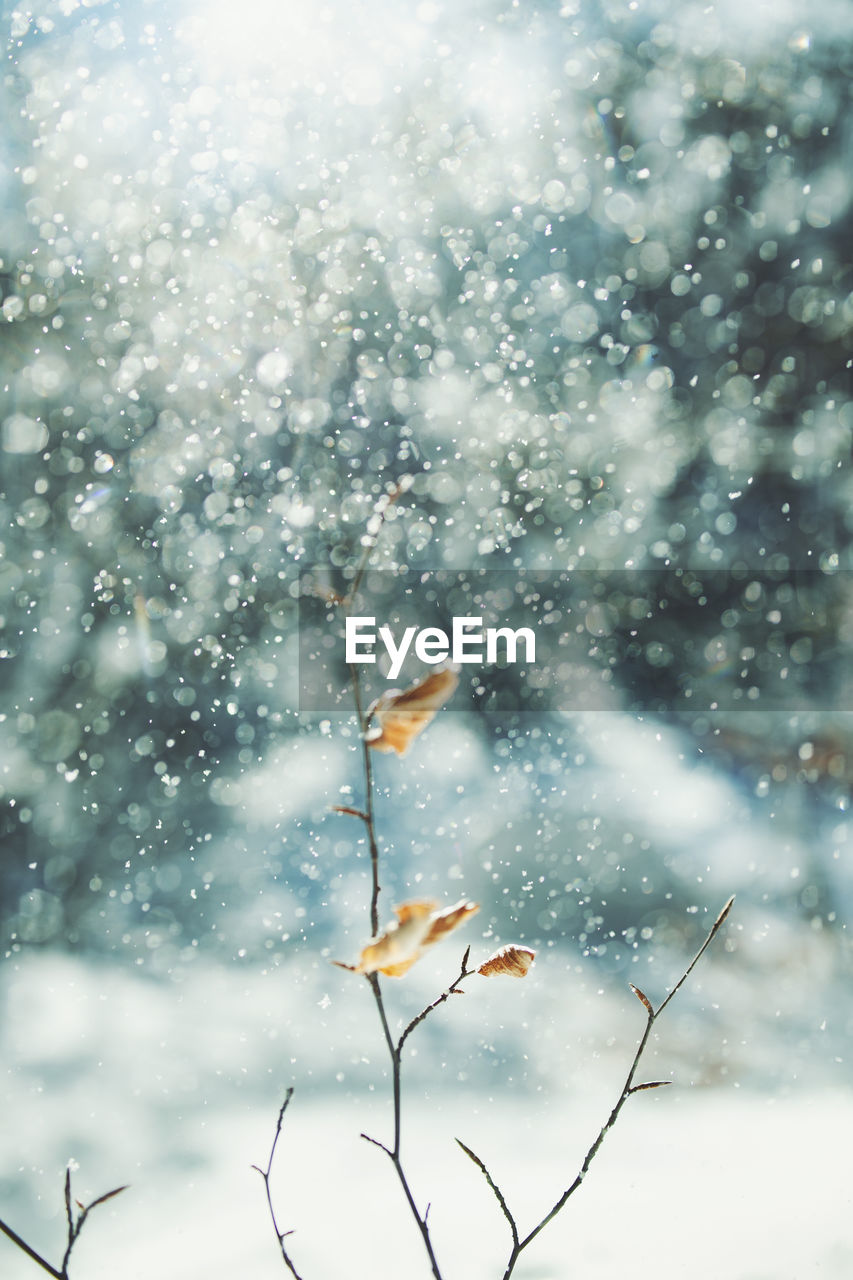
[396, 1054]
[394, 1154]
[348, 809]
[376, 1143]
[69, 1216]
[519, 1244]
[370, 540]
[717, 925]
[281, 1236]
[472, 1155]
[368, 817]
[29, 1251]
[74, 1227]
[452, 990]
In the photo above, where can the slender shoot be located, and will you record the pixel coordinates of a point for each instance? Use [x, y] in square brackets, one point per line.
[280, 1235]
[519, 1242]
[74, 1226]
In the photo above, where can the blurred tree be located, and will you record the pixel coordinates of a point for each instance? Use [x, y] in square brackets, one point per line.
[585, 280]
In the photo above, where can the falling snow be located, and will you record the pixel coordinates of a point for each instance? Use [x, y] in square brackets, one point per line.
[573, 281]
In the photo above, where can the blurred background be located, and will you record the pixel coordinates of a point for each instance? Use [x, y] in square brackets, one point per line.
[578, 276]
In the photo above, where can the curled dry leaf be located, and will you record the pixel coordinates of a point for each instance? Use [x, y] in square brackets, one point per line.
[419, 925]
[510, 962]
[448, 919]
[402, 715]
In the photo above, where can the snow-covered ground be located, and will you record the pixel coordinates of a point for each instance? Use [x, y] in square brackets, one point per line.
[707, 1185]
[175, 1091]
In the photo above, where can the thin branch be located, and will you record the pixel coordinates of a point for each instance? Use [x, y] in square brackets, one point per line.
[715, 928]
[628, 1088]
[420, 1219]
[108, 1195]
[73, 1229]
[380, 515]
[452, 990]
[280, 1235]
[472, 1155]
[394, 1154]
[29, 1251]
[348, 809]
[69, 1215]
[376, 1143]
[368, 817]
[373, 980]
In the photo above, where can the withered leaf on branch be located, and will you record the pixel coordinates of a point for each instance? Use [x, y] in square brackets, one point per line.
[510, 962]
[402, 714]
[419, 925]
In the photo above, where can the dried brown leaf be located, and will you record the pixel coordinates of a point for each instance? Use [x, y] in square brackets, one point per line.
[510, 962]
[419, 925]
[402, 715]
[444, 922]
[650, 1084]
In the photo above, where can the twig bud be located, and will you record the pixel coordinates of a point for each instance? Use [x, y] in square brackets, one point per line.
[643, 998]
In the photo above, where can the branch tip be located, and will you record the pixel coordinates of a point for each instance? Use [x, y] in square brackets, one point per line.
[107, 1196]
[349, 810]
[376, 1143]
[725, 911]
[496, 1191]
[643, 999]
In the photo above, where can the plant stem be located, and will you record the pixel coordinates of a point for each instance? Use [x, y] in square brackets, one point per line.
[368, 817]
[396, 1053]
[394, 1154]
[73, 1232]
[519, 1243]
[452, 990]
[281, 1236]
[29, 1251]
[394, 1050]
